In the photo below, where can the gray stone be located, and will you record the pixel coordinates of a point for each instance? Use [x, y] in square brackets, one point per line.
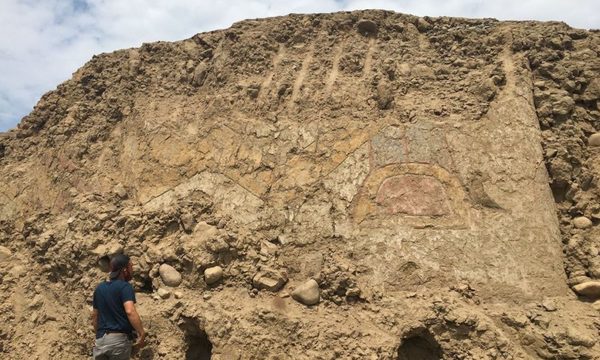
[366, 27]
[269, 279]
[213, 275]
[5, 253]
[594, 140]
[307, 293]
[163, 293]
[589, 288]
[582, 222]
[169, 275]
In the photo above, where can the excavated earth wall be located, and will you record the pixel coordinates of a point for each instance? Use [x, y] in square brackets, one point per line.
[362, 185]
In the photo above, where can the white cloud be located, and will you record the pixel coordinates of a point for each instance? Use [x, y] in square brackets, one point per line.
[42, 42]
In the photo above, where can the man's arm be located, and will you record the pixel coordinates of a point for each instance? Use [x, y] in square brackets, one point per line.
[136, 322]
[95, 320]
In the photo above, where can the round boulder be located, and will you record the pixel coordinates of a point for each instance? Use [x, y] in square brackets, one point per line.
[594, 140]
[588, 288]
[169, 275]
[582, 222]
[307, 293]
[213, 275]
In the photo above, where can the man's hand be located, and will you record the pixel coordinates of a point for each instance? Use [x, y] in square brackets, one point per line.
[139, 344]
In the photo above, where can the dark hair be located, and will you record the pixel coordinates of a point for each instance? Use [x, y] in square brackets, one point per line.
[118, 263]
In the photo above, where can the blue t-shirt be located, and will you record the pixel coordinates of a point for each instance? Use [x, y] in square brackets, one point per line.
[109, 297]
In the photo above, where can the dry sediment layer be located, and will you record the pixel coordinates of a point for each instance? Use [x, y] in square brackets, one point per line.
[364, 185]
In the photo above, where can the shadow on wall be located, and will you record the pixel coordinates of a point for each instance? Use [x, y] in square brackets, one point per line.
[199, 346]
[419, 345]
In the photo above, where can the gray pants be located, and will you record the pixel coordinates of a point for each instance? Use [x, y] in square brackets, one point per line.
[112, 347]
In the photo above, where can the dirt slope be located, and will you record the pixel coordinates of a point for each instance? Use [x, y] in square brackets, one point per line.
[364, 185]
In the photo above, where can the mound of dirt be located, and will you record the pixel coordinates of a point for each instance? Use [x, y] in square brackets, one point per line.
[362, 185]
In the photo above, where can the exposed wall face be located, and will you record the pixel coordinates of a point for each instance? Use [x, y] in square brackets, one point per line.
[296, 170]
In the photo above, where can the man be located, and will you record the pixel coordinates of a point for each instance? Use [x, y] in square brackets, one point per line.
[115, 317]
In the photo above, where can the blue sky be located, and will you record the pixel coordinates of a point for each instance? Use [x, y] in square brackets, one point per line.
[42, 42]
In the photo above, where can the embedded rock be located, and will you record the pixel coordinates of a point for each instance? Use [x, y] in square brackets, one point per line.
[582, 222]
[367, 26]
[594, 140]
[307, 293]
[269, 279]
[169, 275]
[589, 288]
[213, 275]
[163, 293]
